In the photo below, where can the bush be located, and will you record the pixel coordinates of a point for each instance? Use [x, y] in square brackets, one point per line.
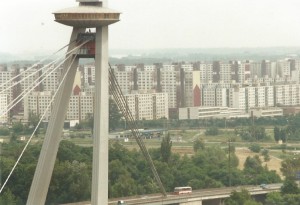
[4, 132]
[212, 131]
[255, 148]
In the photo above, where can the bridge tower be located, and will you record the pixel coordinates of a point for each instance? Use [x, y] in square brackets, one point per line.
[88, 14]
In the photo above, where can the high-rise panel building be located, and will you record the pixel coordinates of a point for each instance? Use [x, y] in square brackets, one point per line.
[3, 105]
[148, 106]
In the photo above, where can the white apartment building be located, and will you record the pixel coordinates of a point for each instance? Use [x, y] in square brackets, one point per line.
[269, 95]
[167, 67]
[38, 102]
[221, 97]
[145, 80]
[210, 112]
[255, 69]
[125, 81]
[237, 98]
[244, 72]
[3, 108]
[206, 73]
[225, 73]
[284, 68]
[250, 98]
[29, 78]
[80, 106]
[170, 84]
[188, 86]
[287, 94]
[148, 106]
[267, 112]
[209, 97]
[187, 67]
[88, 75]
[278, 95]
[6, 83]
[52, 81]
[260, 97]
[151, 68]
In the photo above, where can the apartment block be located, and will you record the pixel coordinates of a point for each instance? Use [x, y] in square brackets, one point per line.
[3, 106]
[148, 106]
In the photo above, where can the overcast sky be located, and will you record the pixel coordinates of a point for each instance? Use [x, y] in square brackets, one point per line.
[28, 25]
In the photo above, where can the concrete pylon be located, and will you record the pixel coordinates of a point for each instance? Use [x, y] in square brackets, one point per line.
[89, 14]
[41, 180]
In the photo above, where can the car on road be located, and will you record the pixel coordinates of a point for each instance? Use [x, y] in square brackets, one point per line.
[121, 202]
[263, 186]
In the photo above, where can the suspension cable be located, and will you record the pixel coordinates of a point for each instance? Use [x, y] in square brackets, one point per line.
[26, 91]
[23, 79]
[124, 108]
[31, 67]
[19, 98]
[30, 138]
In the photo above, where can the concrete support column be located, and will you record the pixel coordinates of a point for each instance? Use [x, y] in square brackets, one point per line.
[100, 148]
[44, 169]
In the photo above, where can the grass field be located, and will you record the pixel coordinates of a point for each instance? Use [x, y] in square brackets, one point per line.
[182, 143]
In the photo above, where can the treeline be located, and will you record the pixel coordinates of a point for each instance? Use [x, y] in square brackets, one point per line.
[212, 122]
[289, 132]
[129, 173]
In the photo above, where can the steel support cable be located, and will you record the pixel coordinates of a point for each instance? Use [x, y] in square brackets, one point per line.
[31, 67]
[123, 106]
[137, 135]
[21, 96]
[23, 79]
[41, 119]
[27, 91]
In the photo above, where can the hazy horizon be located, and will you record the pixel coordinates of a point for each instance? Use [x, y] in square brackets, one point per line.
[173, 54]
[147, 24]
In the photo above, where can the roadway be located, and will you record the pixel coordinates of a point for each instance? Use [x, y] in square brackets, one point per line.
[196, 195]
[203, 194]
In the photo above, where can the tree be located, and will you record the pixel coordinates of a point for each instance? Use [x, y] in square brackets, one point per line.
[258, 133]
[290, 186]
[252, 133]
[8, 198]
[291, 199]
[290, 167]
[13, 137]
[283, 135]
[255, 148]
[276, 134]
[90, 121]
[266, 155]
[114, 115]
[4, 131]
[33, 121]
[240, 198]
[252, 168]
[198, 144]
[165, 148]
[274, 198]
[17, 127]
[69, 177]
[212, 131]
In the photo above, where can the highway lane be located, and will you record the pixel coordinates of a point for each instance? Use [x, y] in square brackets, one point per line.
[203, 194]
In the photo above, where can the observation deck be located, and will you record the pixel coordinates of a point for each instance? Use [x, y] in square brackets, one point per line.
[88, 14]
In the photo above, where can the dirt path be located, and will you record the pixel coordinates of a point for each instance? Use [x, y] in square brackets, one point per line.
[273, 164]
[242, 154]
